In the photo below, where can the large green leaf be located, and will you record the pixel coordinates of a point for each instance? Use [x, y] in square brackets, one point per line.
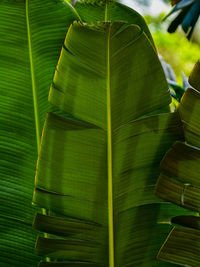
[32, 33]
[179, 182]
[123, 40]
[96, 171]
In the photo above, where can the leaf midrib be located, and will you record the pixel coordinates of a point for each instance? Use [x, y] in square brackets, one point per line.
[109, 154]
[34, 91]
[33, 83]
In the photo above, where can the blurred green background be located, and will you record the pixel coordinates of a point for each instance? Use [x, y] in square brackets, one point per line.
[175, 49]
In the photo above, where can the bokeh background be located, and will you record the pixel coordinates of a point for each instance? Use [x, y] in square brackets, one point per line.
[175, 49]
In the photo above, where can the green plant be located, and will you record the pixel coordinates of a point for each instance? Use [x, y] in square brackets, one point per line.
[102, 145]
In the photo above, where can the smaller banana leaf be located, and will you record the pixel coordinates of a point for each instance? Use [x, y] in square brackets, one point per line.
[179, 182]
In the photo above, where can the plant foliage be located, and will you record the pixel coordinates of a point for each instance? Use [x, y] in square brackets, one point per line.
[32, 33]
[100, 150]
[97, 170]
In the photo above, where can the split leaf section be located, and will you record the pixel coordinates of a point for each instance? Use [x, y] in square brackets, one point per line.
[179, 181]
[102, 61]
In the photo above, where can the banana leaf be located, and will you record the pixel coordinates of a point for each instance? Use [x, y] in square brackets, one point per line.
[32, 33]
[97, 170]
[179, 182]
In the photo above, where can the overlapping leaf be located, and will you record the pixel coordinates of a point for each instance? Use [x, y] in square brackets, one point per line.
[179, 182]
